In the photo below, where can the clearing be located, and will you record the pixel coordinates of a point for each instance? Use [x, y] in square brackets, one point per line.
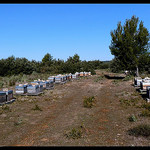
[45, 120]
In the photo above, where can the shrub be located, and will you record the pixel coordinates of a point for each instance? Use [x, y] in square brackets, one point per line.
[6, 108]
[129, 102]
[75, 133]
[89, 101]
[1, 84]
[13, 79]
[132, 118]
[125, 102]
[147, 106]
[145, 113]
[140, 130]
[37, 108]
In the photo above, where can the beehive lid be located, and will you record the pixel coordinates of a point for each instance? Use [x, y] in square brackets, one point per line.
[19, 87]
[5, 89]
[139, 78]
[35, 83]
[2, 93]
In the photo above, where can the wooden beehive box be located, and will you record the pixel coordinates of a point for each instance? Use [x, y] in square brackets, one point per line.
[81, 74]
[58, 79]
[3, 97]
[33, 89]
[45, 84]
[21, 89]
[137, 81]
[9, 94]
[144, 85]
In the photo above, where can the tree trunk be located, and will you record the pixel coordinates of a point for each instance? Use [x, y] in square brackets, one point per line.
[137, 71]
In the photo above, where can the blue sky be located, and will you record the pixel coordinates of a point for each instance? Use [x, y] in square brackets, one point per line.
[32, 30]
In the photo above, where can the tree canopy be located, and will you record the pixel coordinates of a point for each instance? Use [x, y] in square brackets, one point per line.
[14, 66]
[129, 43]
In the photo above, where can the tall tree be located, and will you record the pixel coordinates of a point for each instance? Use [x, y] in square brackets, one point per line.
[47, 59]
[129, 42]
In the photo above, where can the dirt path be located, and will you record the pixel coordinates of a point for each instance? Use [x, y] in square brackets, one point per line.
[66, 113]
[105, 124]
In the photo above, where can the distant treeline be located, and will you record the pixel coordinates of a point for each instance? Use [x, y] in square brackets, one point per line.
[15, 66]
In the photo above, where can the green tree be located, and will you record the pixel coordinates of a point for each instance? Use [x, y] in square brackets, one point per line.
[73, 64]
[47, 59]
[129, 42]
[47, 62]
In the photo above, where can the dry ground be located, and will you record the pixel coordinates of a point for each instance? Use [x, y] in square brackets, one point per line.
[105, 124]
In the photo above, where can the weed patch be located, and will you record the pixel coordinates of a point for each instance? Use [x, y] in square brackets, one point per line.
[4, 108]
[147, 106]
[132, 118]
[36, 107]
[99, 78]
[145, 113]
[89, 101]
[140, 130]
[129, 102]
[75, 133]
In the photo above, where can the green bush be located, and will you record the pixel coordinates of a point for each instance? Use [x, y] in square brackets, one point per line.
[75, 133]
[140, 130]
[132, 118]
[89, 101]
[129, 102]
[1, 84]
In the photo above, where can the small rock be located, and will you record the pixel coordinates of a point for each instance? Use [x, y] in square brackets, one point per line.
[44, 139]
[4, 115]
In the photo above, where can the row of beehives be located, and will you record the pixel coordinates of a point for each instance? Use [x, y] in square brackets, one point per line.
[63, 78]
[143, 85]
[36, 87]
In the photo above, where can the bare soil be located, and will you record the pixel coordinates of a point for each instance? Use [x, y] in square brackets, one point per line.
[105, 124]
